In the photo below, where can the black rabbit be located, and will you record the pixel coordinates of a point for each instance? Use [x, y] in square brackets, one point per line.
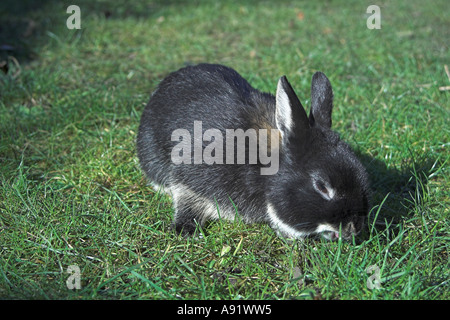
[222, 148]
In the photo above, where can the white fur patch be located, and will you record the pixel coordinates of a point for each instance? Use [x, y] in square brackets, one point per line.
[327, 231]
[206, 208]
[283, 113]
[325, 227]
[281, 227]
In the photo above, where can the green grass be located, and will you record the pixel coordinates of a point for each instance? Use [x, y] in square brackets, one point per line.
[71, 192]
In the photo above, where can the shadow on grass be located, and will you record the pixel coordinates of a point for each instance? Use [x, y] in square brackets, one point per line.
[23, 23]
[399, 192]
[26, 23]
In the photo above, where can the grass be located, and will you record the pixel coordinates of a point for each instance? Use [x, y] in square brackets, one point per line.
[72, 193]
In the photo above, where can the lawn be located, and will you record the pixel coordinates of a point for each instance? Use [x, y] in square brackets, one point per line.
[72, 194]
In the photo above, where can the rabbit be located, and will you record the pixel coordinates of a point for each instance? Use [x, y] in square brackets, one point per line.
[319, 187]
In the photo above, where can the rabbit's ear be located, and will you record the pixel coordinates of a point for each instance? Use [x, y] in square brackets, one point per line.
[321, 101]
[290, 116]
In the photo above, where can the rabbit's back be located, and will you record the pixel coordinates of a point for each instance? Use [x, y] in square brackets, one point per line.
[219, 98]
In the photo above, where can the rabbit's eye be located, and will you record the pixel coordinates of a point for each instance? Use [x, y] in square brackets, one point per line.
[321, 186]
